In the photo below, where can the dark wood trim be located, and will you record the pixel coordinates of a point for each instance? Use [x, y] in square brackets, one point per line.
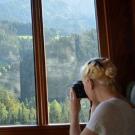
[41, 130]
[40, 73]
[119, 24]
[35, 130]
[102, 26]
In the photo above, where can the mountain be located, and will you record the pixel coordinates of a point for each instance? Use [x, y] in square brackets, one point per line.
[71, 16]
[15, 10]
[68, 16]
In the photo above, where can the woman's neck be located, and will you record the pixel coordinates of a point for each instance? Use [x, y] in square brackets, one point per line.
[105, 93]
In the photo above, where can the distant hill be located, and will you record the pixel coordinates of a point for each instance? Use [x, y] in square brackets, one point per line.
[67, 16]
[15, 10]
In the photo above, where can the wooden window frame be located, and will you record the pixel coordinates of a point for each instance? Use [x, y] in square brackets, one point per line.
[42, 127]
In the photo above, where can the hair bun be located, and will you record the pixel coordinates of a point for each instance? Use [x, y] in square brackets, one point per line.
[110, 70]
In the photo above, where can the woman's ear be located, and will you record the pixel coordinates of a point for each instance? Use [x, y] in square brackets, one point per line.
[91, 84]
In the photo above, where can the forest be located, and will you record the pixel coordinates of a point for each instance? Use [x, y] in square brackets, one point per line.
[64, 53]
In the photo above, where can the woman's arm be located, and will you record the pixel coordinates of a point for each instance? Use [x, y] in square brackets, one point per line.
[74, 117]
[74, 114]
[86, 131]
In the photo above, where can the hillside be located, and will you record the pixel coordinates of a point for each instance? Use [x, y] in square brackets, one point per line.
[61, 15]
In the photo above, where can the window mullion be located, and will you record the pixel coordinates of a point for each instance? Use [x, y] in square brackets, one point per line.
[41, 89]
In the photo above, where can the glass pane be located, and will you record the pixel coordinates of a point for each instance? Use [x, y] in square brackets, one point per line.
[17, 85]
[70, 40]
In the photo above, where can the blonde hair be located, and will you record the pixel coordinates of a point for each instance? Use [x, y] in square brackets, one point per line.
[100, 69]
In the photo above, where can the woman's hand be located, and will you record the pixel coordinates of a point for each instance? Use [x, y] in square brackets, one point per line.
[74, 106]
[74, 114]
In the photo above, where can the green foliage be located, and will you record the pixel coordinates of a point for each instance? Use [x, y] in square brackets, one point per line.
[59, 48]
[27, 78]
[89, 44]
[9, 58]
[8, 44]
[59, 111]
[65, 111]
[55, 111]
[3, 113]
[85, 110]
[13, 111]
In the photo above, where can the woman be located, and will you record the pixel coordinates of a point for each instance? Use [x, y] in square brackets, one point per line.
[110, 114]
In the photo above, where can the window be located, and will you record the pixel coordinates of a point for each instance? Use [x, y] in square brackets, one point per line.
[17, 80]
[70, 40]
[23, 59]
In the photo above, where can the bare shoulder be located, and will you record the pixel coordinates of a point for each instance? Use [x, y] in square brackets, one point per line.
[87, 131]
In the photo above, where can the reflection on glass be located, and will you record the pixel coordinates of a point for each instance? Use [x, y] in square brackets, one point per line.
[70, 40]
[17, 86]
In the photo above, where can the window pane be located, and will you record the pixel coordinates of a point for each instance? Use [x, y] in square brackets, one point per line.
[17, 85]
[70, 40]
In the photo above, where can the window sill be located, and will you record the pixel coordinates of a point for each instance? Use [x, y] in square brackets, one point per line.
[34, 130]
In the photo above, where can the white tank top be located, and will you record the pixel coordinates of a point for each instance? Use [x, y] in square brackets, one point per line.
[113, 117]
